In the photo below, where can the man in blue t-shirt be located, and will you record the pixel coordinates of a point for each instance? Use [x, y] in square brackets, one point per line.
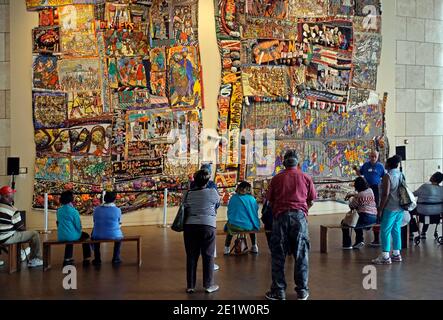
[373, 171]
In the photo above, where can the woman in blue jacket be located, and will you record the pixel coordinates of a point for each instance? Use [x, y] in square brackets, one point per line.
[242, 215]
[107, 226]
[69, 228]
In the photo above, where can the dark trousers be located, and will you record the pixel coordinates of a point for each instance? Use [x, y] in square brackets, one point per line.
[229, 239]
[347, 236]
[364, 220]
[69, 248]
[435, 219]
[199, 240]
[376, 192]
[376, 230]
[268, 239]
[290, 234]
[115, 255]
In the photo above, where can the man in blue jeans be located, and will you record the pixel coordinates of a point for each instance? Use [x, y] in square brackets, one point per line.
[290, 194]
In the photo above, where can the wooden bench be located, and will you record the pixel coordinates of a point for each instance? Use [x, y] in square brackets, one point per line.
[14, 256]
[324, 235]
[47, 248]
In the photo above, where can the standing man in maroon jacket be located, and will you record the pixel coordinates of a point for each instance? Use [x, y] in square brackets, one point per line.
[291, 193]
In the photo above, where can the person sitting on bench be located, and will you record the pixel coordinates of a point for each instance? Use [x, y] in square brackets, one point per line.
[429, 203]
[107, 226]
[69, 228]
[242, 216]
[11, 224]
[364, 203]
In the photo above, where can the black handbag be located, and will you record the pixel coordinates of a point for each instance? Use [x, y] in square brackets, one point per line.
[179, 221]
[266, 217]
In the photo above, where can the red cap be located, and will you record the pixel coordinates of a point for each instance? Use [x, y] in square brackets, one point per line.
[6, 190]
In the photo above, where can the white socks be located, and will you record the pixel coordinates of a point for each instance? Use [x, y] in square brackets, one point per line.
[385, 255]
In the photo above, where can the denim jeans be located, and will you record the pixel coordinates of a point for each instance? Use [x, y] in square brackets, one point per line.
[364, 220]
[290, 235]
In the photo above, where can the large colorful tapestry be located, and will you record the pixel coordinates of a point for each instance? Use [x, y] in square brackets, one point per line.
[117, 99]
[298, 74]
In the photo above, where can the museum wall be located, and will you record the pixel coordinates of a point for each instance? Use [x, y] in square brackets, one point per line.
[419, 84]
[22, 144]
[5, 117]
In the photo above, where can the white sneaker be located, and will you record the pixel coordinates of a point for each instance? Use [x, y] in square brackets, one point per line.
[212, 288]
[254, 249]
[227, 251]
[216, 267]
[382, 260]
[36, 262]
[25, 253]
[358, 245]
[2, 262]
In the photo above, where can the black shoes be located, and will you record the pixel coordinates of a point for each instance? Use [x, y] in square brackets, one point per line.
[275, 296]
[96, 262]
[302, 296]
[68, 262]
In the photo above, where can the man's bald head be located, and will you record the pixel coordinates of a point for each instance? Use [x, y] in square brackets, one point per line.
[373, 156]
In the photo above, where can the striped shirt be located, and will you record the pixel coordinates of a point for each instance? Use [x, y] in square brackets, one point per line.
[202, 206]
[364, 202]
[10, 221]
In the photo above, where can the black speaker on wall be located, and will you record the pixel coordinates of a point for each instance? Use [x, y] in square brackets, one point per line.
[13, 166]
[401, 151]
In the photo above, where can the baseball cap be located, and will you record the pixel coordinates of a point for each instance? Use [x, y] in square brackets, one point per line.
[6, 190]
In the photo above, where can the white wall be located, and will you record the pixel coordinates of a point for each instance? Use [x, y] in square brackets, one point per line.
[419, 84]
[5, 140]
[22, 144]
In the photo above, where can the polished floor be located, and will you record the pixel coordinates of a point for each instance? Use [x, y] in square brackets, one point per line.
[336, 275]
